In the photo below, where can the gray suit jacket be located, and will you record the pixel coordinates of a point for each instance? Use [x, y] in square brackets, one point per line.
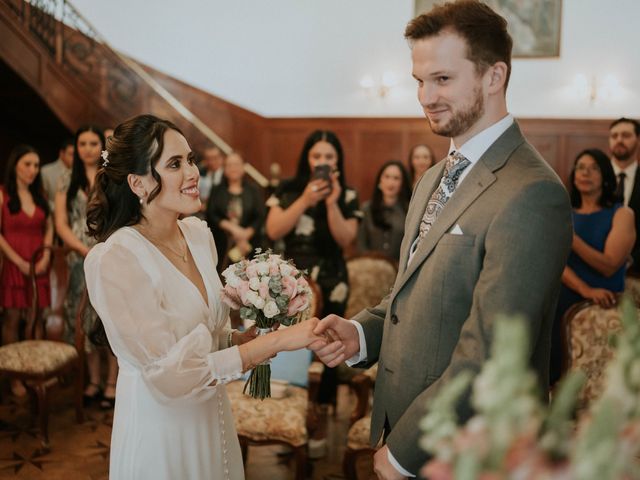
[515, 216]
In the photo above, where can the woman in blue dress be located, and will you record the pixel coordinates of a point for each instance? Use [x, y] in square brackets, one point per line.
[604, 234]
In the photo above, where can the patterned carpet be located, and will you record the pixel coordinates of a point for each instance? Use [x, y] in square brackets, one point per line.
[81, 451]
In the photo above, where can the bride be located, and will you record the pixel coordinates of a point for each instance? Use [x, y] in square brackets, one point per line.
[152, 280]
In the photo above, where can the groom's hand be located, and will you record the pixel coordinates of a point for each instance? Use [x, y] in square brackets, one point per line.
[344, 344]
[383, 467]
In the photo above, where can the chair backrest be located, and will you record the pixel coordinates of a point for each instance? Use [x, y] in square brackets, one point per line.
[371, 278]
[632, 288]
[34, 316]
[588, 329]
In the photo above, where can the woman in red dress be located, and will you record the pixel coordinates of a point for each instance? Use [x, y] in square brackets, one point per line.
[25, 226]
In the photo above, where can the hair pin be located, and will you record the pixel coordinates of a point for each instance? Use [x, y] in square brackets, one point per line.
[105, 158]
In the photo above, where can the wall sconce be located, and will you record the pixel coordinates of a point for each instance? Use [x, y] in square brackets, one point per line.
[382, 88]
[595, 89]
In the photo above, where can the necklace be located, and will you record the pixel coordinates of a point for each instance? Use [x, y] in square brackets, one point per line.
[182, 255]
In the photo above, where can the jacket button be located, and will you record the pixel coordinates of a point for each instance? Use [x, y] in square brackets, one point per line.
[394, 319]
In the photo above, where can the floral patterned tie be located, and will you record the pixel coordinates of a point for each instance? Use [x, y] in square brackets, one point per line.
[454, 166]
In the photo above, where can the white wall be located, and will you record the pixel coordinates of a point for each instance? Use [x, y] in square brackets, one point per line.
[305, 58]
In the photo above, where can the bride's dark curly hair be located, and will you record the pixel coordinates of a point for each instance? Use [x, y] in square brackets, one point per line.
[134, 148]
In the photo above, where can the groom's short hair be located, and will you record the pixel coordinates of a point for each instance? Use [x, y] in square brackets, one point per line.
[485, 32]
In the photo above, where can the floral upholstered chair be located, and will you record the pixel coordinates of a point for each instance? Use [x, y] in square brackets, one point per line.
[632, 288]
[588, 329]
[40, 363]
[371, 277]
[289, 419]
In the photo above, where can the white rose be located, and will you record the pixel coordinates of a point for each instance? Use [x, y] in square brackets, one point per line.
[254, 283]
[233, 280]
[258, 302]
[339, 293]
[250, 298]
[271, 309]
[263, 268]
[285, 269]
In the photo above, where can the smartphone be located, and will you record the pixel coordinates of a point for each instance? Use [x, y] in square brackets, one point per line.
[322, 172]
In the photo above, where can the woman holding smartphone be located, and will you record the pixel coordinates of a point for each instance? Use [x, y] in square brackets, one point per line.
[317, 216]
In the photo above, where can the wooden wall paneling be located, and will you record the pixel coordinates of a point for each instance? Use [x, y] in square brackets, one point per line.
[376, 148]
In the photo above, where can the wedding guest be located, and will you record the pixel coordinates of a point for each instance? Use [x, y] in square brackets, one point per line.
[604, 235]
[212, 171]
[624, 145]
[235, 213]
[25, 227]
[421, 159]
[53, 172]
[317, 216]
[70, 220]
[153, 281]
[382, 227]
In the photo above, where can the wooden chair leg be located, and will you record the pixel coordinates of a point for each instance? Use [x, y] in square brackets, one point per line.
[43, 413]
[300, 455]
[349, 464]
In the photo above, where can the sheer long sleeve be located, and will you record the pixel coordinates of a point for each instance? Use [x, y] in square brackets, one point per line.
[144, 328]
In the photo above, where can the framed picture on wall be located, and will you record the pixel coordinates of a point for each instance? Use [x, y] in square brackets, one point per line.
[534, 24]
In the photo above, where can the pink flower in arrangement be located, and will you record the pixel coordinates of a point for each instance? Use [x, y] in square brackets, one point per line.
[252, 270]
[289, 287]
[274, 269]
[231, 298]
[263, 290]
[243, 289]
[437, 470]
[298, 304]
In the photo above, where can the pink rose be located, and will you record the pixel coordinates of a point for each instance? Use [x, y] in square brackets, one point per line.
[302, 283]
[230, 297]
[289, 287]
[274, 269]
[263, 291]
[298, 304]
[243, 289]
[252, 270]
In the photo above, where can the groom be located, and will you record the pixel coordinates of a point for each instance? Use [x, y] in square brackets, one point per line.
[488, 231]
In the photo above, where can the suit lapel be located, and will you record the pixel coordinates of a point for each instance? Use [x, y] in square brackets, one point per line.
[477, 181]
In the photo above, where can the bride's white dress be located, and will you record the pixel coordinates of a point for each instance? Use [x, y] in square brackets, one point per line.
[169, 422]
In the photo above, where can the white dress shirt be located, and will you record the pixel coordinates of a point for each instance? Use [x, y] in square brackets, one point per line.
[629, 180]
[472, 149]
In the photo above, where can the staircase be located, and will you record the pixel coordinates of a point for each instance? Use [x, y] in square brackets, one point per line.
[61, 56]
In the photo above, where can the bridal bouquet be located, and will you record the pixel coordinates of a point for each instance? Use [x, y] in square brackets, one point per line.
[268, 290]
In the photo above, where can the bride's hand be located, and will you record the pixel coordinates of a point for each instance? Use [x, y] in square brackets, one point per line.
[299, 335]
[243, 337]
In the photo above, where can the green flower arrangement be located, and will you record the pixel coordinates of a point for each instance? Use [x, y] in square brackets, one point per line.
[514, 435]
